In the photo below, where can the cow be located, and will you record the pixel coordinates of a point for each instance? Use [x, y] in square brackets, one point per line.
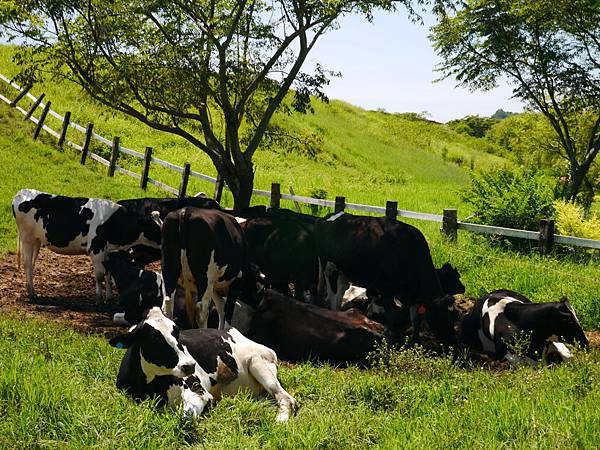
[390, 259]
[139, 289]
[77, 226]
[299, 332]
[190, 368]
[205, 250]
[502, 317]
[283, 245]
[157, 209]
[356, 296]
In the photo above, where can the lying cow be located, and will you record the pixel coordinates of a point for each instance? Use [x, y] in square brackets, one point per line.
[299, 332]
[205, 251]
[77, 226]
[192, 367]
[501, 317]
[390, 259]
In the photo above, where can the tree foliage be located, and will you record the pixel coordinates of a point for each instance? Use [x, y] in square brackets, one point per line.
[549, 50]
[211, 71]
[472, 125]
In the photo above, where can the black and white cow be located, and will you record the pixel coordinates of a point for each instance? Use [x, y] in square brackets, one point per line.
[205, 251]
[139, 289]
[283, 245]
[390, 259]
[192, 367]
[502, 317]
[77, 226]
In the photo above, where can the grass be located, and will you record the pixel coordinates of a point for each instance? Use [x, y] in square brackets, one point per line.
[57, 390]
[57, 386]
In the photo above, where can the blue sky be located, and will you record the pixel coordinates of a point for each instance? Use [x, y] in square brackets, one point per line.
[390, 64]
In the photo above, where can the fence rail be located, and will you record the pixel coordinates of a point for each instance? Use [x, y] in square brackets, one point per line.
[448, 219]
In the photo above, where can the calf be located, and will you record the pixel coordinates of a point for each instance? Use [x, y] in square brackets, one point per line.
[390, 259]
[192, 367]
[76, 226]
[139, 289]
[203, 249]
[498, 318]
[299, 332]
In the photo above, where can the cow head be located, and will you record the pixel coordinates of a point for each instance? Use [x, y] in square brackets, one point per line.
[139, 290]
[440, 316]
[449, 278]
[155, 338]
[567, 325]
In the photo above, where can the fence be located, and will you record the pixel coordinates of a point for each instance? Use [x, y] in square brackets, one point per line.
[449, 218]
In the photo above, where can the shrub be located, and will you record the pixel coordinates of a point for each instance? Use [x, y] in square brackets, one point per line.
[513, 199]
[571, 221]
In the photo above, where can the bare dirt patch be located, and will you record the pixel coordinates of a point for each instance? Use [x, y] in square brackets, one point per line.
[66, 293]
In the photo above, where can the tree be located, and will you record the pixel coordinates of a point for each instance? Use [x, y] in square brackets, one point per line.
[472, 125]
[213, 71]
[550, 51]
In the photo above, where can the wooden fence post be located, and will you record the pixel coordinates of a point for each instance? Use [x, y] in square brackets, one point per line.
[63, 132]
[340, 204]
[219, 188]
[114, 154]
[185, 176]
[86, 143]
[22, 94]
[146, 169]
[391, 209]
[40, 123]
[546, 236]
[275, 195]
[450, 224]
[33, 108]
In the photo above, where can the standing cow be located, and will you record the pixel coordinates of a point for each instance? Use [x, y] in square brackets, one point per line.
[205, 250]
[77, 226]
[282, 243]
[391, 259]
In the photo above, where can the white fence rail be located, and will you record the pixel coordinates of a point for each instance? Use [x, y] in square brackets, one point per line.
[449, 222]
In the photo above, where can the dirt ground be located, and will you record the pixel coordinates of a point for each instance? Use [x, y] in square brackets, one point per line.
[66, 294]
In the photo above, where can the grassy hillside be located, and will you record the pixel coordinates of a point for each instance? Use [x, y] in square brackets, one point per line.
[368, 156]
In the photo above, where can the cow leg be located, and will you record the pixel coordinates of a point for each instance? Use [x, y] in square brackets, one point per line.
[171, 267]
[28, 250]
[415, 320]
[265, 373]
[99, 274]
[107, 280]
[229, 304]
[342, 286]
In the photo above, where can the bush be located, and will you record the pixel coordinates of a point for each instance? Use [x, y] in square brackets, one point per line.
[514, 199]
[571, 221]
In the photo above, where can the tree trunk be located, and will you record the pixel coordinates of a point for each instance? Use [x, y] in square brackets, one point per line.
[240, 180]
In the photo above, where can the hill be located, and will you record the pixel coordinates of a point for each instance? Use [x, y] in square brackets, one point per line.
[368, 156]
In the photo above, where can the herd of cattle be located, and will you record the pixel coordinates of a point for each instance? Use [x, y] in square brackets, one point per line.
[291, 284]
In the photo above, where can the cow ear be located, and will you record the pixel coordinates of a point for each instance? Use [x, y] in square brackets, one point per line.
[124, 340]
[447, 266]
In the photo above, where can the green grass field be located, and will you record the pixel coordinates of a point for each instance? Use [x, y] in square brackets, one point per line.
[57, 386]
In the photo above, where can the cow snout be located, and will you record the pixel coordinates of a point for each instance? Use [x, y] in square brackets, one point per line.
[188, 368]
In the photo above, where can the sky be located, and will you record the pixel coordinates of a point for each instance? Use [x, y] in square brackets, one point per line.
[390, 64]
